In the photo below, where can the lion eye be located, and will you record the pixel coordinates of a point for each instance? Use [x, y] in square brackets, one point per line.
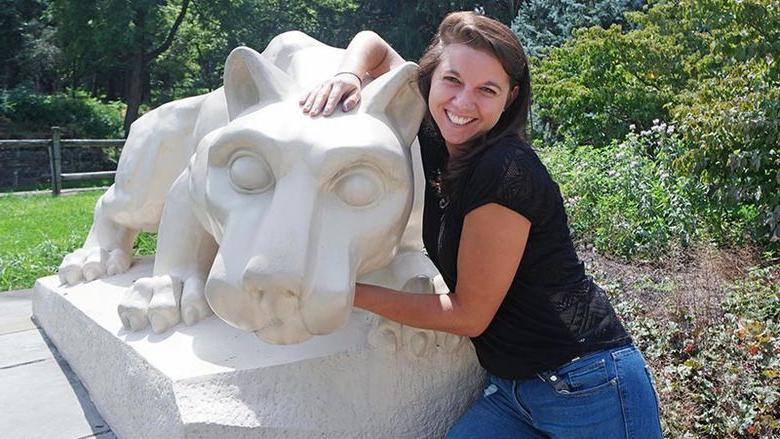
[359, 188]
[250, 173]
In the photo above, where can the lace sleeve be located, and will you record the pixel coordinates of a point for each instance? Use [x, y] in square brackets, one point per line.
[506, 175]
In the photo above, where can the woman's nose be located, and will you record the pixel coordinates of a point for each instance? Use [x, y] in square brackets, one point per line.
[464, 100]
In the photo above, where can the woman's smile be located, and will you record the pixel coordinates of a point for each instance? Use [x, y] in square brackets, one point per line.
[458, 120]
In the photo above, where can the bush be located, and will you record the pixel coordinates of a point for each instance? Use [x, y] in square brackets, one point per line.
[593, 87]
[733, 122]
[710, 68]
[78, 114]
[626, 198]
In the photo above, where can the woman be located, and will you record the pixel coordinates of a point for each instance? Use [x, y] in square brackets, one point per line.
[559, 362]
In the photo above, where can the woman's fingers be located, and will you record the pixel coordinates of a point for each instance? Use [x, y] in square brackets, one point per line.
[326, 97]
[351, 101]
[321, 99]
[336, 93]
[302, 100]
[309, 100]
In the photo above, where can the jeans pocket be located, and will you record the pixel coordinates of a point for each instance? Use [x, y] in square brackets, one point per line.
[581, 380]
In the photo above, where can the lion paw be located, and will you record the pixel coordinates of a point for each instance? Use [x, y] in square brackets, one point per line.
[162, 302]
[394, 337]
[92, 263]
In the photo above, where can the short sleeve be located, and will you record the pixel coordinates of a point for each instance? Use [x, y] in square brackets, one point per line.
[507, 175]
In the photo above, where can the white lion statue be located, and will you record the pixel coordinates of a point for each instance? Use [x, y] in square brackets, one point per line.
[265, 216]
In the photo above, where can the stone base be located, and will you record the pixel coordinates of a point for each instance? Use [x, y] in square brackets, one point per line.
[213, 380]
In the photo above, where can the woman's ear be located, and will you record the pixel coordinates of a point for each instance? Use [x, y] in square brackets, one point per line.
[512, 96]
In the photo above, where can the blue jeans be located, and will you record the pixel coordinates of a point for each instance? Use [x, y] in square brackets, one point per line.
[605, 394]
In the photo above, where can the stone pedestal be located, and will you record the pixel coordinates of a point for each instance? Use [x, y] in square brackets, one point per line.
[212, 380]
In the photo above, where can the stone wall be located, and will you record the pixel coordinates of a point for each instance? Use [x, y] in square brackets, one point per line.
[28, 168]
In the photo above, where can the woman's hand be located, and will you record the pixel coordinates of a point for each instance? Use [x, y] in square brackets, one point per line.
[344, 86]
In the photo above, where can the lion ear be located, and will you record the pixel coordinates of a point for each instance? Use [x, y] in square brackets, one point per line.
[396, 97]
[252, 81]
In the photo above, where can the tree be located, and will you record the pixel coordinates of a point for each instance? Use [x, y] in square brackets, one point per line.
[542, 24]
[27, 51]
[103, 38]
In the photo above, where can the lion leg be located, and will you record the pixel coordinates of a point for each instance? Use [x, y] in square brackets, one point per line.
[185, 252]
[157, 150]
[106, 251]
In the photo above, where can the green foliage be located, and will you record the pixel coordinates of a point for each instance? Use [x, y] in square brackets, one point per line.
[634, 199]
[543, 24]
[735, 128]
[26, 44]
[595, 86]
[707, 67]
[626, 198]
[99, 36]
[78, 114]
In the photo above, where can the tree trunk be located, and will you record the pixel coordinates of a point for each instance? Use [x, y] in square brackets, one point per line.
[135, 89]
[139, 68]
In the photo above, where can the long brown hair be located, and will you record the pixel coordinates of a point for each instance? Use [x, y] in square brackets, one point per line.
[480, 33]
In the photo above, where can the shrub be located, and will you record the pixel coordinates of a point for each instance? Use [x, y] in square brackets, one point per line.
[734, 126]
[78, 114]
[708, 67]
[595, 86]
[626, 198]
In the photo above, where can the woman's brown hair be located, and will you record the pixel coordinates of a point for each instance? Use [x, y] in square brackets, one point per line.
[480, 33]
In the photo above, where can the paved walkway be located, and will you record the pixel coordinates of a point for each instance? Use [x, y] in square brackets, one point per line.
[40, 396]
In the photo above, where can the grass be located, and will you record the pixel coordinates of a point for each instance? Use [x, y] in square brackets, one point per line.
[36, 231]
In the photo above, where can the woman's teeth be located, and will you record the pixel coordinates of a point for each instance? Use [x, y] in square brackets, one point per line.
[458, 120]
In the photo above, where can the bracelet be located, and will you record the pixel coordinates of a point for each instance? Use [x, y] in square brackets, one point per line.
[350, 73]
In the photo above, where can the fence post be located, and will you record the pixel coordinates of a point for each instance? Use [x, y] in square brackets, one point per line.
[55, 158]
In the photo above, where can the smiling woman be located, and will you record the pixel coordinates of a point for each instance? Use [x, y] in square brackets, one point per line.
[468, 95]
[559, 361]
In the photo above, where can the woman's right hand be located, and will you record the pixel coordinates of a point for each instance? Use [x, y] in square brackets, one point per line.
[342, 88]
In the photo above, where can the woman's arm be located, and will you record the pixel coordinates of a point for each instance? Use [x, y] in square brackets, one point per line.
[491, 245]
[367, 56]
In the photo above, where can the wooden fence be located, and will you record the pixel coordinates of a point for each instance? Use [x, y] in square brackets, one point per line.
[55, 145]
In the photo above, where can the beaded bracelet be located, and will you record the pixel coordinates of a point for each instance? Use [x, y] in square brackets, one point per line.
[350, 73]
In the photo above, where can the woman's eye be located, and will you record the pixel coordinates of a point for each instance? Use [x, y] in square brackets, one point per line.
[452, 79]
[359, 188]
[250, 173]
[488, 90]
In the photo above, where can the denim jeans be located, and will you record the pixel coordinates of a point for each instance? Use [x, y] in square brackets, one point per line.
[605, 394]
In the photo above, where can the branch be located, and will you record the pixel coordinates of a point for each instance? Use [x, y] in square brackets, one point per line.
[169, 39]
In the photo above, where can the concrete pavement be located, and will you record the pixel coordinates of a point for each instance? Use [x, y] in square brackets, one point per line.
[40, 396]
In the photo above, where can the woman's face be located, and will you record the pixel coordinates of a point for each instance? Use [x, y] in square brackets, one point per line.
[469, 91]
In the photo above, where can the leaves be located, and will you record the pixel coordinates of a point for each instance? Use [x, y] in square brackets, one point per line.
[708, 67]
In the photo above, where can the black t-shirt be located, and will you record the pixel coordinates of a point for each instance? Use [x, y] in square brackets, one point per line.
[552, 311]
